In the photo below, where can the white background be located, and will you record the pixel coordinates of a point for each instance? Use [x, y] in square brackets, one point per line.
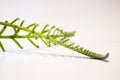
[97, 26]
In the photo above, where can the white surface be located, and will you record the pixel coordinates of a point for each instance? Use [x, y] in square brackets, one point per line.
[97, 23]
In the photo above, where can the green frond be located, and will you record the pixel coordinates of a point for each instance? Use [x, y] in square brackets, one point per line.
[49, 35]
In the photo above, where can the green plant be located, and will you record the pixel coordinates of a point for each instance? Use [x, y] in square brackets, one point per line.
[49, 36]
